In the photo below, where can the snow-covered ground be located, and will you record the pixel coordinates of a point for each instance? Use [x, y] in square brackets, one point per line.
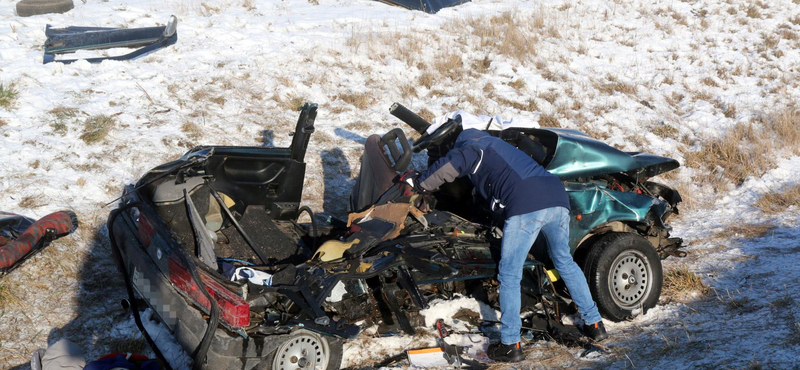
[660, 76]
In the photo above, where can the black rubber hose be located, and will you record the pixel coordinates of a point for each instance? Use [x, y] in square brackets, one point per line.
[201, 351]
[313, 224]
[237, 225]
[129, 285]
[410, 118]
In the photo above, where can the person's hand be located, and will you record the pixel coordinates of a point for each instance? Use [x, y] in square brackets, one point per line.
[410, 178]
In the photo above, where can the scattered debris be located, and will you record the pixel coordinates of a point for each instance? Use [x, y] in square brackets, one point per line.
[71, 39]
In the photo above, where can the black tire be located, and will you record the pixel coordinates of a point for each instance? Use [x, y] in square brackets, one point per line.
[27, 8]
[305, 340]
[624, 275]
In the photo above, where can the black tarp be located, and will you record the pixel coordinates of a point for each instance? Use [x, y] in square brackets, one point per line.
[428, 6]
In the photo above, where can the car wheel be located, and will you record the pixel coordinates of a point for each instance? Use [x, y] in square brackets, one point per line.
[624, 275]
[306, 350]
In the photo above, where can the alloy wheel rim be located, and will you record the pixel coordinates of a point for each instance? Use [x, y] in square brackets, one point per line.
[630, 279]
[304, 351]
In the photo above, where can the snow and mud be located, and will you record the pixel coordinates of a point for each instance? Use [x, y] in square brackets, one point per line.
[657, 76]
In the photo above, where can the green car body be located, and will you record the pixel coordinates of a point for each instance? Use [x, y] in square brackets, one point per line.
[607, 188]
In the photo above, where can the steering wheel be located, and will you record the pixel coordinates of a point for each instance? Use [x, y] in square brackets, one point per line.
[437, 136]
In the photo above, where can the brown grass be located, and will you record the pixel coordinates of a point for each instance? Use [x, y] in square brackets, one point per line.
[737, 155]
[752, 12]
[450, 66]
[32, 201]
[778, 202]
[427, 79]
[747, 149]
[358, 100]
[7, 296]
[291, 102]
[745, 231]
[426, 114]
[8, 96]
[681, 283]
[665, 130]
[548, 120]
[613, 85]
[509, 33]
[62, 115]
[192, 130]
[96, 128]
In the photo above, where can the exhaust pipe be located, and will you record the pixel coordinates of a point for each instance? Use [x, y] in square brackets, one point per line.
[127, 304]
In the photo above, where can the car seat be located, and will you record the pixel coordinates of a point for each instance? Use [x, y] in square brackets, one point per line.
[378, 170]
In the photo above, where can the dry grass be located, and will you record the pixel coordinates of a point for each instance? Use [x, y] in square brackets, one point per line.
[747, 149]
[737, 155]
[96, 128]
[745, 231]
[192, 130]
[426, 114]
[548, 120]
[8, 96]
[427, 79]
[752, 12]
[32, 201]
[358, 100]
[450, 66]
[778, 202]
[510, 33]
[6, 296]
[665, 130]
[291, 102]
[615, 86]
[61, 116]
[681, 284]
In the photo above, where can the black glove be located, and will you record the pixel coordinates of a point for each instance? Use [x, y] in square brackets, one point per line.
[410, 178]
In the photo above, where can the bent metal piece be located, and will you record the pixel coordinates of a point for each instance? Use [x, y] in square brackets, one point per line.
[71, 39]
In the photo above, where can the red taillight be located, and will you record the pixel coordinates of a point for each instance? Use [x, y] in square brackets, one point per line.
[233, 310]
[145, 230]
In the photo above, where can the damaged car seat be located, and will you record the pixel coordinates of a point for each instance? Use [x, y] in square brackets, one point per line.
[19, 235]
[377, 170]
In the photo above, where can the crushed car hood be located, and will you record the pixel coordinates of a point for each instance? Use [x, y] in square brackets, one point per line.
[578, 155]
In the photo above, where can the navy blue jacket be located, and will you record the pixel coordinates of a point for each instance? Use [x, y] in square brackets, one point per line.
[509, 179]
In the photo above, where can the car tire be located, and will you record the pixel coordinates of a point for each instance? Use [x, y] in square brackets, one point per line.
[624, 275]
[306, 348]
[27, 8]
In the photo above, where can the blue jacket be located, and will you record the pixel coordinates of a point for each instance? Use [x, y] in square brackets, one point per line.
[509, 179]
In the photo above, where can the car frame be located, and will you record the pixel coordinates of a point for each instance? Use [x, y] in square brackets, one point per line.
[159, 240]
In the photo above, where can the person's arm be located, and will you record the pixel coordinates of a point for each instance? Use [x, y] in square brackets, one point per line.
[457, 163]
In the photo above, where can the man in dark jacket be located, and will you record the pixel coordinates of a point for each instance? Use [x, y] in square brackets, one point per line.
[531, 200]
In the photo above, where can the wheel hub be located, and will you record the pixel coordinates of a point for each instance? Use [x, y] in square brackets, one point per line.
[630, 279]
[305, 351]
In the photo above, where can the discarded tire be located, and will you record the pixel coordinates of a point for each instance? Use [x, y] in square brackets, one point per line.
[624, 275]
[27, 8]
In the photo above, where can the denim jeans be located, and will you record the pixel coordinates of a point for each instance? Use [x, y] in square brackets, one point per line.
[519, 234]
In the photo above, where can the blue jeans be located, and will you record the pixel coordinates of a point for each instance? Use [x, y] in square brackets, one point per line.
[519, 234]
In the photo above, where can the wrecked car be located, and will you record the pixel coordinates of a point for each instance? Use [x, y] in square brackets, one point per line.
[212, 243]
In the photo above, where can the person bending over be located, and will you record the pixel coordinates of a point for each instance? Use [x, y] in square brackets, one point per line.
[531, 200]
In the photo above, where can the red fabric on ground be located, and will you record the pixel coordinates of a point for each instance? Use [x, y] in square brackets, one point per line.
[63, 223]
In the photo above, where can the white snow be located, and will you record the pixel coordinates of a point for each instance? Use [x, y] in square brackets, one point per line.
[619, 70]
